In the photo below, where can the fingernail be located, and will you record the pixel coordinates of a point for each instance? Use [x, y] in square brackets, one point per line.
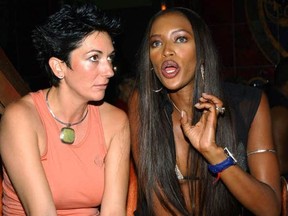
[197, 104]
[182, 114]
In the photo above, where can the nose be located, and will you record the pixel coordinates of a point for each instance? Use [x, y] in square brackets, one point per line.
[168, 50]
[108, 69]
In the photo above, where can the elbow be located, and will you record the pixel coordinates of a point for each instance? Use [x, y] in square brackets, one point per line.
[272, 209]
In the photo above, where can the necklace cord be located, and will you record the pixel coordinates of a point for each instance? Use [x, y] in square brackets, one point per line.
[174, 105]
[177, 170]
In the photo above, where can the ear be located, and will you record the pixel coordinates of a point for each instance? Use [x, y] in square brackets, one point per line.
[57, 67]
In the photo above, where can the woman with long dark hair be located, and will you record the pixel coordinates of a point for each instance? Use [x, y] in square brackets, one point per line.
[201, 147]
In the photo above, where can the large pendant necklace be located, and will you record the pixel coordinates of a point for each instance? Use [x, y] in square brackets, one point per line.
[67, 134]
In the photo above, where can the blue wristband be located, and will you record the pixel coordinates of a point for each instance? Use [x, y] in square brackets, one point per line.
[221, 166]
[230, 161]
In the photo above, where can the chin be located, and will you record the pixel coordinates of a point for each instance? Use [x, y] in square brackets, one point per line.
[97, 97]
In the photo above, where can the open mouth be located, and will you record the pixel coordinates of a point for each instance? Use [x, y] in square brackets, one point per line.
[169, 68]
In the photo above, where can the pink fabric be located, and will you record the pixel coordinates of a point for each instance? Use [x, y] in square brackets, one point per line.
[75, 172]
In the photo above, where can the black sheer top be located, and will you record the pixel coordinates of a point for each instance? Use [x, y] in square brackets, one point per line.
[244, 102]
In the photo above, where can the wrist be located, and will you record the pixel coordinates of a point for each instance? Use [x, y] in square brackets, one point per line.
[215, 155]
[226, 163]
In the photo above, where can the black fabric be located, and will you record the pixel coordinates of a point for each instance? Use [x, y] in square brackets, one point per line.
[276, 98]
[243, 102]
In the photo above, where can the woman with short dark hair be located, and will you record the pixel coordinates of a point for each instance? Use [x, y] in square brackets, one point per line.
[66, 151]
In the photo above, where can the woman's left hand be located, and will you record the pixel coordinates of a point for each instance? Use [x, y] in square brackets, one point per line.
[202, 134]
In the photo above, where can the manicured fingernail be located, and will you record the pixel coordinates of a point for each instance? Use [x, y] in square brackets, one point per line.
[197, 105]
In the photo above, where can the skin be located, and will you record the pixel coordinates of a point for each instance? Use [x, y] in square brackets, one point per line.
[172, 38]
[279, 117]
[23, 138]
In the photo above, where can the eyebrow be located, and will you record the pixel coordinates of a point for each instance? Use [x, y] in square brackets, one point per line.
[101, 52]
[174, 32]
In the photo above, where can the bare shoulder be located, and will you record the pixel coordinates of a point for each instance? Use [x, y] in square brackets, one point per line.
[20, 111]
[112, 113]
[115, 124]
[112, 117]
[20, 124]
[263, 108]
[260, 132]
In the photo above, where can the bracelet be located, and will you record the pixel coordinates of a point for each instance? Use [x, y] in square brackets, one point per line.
[261, 151]
[229, 161]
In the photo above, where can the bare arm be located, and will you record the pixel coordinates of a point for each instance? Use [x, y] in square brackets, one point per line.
[280, 132]
[258, 192]
[20, 153]
[116, 163]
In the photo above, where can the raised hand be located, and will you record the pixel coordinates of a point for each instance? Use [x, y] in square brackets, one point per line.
[202, 134]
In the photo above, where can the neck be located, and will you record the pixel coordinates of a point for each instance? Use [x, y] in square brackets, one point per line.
[62, 108]
[180, 104]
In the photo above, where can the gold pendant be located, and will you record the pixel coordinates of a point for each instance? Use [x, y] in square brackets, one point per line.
[67, 135]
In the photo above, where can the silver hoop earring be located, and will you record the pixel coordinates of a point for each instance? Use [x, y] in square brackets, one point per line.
[202, 70]
[157, 90]
[61, 76]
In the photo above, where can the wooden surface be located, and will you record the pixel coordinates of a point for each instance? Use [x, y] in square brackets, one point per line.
[12, 86]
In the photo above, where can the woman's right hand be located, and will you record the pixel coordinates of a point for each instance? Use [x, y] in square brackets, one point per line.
[202, 134]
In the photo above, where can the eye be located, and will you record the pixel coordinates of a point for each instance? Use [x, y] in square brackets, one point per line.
[94, 58]
[181, 39]
[154, 44]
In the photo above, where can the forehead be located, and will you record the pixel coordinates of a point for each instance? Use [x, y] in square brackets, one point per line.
[99, 40]
[171, 20]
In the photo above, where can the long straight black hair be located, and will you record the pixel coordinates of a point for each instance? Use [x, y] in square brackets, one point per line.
[156, 147]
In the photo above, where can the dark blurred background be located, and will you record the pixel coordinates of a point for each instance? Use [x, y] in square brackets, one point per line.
[251, 35]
